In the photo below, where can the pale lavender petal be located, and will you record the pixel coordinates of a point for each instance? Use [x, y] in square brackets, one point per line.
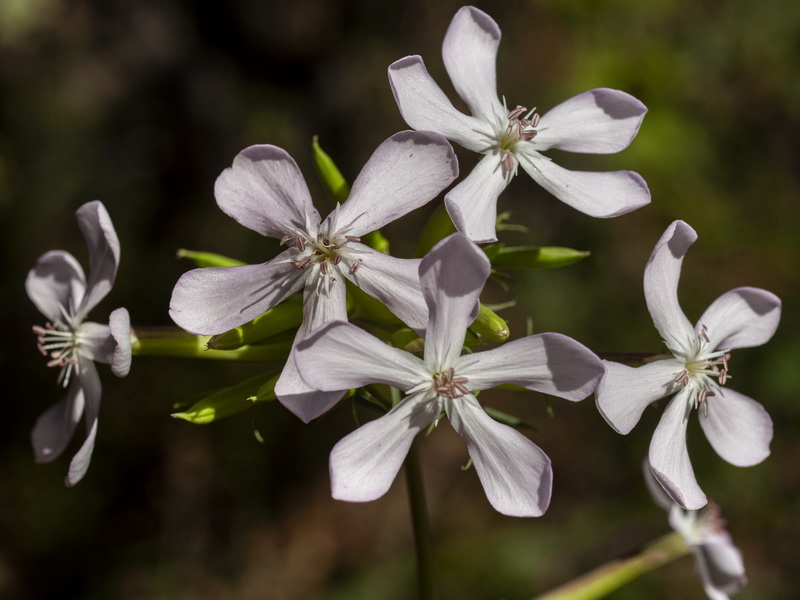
[90, 383]
[741, 318]
[658, 494]
[472, 204]
[625, 392]
[55, 284]
[120, 323]
[600, 121]
[515, 473]
[217, 299]
[54, 428]
[425, 107]
[469, 51]
[603, 195]
[669, 458]
[452, 275]
[363, 465]
[405, 172]
[721, 567]
[96, 343]
[323, 301]
[340, 356]
[661, 276]
[265, 191]
[738, 427]
[395, 282]
[550, 363]
[104, 252]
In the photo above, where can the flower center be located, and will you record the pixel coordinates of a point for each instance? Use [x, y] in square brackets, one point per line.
[705, 371]
[447, 385]
[322, 251]
[61, 344]
[519, 128]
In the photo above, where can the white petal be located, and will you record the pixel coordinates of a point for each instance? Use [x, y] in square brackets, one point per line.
[472, 204]
[661, 497]
[721, 568]
[669, 458]
[55, 284]
[469, 51]
[90, 382]
[599, 121]
[741, 318]
[405, 172]
[265, 191]
[661, 276]
[363, 465]
[395, 282]
[625, 391]
[103, 244]
[738, 427]
[452, 275]
[515, 473]
[425, 107]
[217, 299]
[54, 428]
[340, 356]
[323, 301]
[120, 323]
[96, 342]
[549, 362]
[603, 195]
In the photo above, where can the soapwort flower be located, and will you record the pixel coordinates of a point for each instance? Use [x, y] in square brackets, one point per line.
[515, 473]
[719, 562]
[738, 427]
[599, 121]
[61, 292]
[265, 191]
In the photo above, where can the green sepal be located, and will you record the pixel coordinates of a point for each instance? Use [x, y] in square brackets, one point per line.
[377, 241]
[507, 419]
[286, 316]
[266, 393]
[209, 259]
[490, 326]
[328, 173]
[438, 227]
[408, 340]
[532, 257]
[225, 402]
[366, 307]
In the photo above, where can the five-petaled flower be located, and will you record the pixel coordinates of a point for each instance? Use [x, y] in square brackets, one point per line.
[738, 428]
[719, 562]
[515, 473]
[61, 292]
[265, 191]
[599, 121]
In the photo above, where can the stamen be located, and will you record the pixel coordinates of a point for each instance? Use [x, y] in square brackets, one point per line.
[447, 385]
[301, 264]
[352, 238]
[356, 266]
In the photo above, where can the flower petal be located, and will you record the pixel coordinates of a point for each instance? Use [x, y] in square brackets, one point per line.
[54, 428]
[364, 464]
[549, 362]
[55, 284]
[103, 244]
[405, 172]
[661, 276]
[625, 391]
[425, 107]
[340, 356]
[741, 318]
[721, 567]
[96, 342]
[669, 458]
[600, 121]
[323, 301]
[265, 191]
[472, 204]
[452, 275]
[603, 195]
[90, 383]
[469, 51]
[738, 427]
[217, 299]
[515, 473]
[120, 323]
[395, 282]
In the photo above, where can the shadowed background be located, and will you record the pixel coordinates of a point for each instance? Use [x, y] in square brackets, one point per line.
[143, 104]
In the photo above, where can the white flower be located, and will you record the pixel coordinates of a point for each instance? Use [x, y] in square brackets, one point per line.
[61, 292]
[738, 428]
[599, 121]
[515, 473]
[265, 191]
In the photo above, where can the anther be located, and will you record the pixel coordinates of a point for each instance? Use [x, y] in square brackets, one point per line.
[301, 264]
[355, 266]
[352, 238]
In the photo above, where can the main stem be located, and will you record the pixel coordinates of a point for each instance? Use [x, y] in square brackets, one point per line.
[421, 526]
[173, 341]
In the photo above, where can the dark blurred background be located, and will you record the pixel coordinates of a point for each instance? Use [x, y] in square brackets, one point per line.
[142, 104]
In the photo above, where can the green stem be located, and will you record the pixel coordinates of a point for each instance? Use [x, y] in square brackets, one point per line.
[605, 579]
[173, 341]
[421, 526]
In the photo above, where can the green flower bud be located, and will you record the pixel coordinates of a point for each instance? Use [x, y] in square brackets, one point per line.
[490, 325]
[208, 259]
[286, 316]
[532, 257]
[225, 402]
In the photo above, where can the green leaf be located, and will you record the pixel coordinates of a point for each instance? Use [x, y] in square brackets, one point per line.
[284, 317]
[535, 257]
[208, 259]
[226, 402]
[329, 173]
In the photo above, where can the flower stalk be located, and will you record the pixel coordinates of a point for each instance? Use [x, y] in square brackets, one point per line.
[173, 341]
[421, 525]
